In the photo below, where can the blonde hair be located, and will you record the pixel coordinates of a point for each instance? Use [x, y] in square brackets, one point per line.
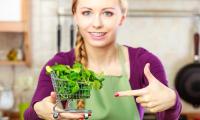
[80, 51]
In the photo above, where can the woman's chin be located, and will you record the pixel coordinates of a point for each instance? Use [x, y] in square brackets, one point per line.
[99, 44]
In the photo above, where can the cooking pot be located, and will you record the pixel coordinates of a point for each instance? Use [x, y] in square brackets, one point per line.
[187, 81]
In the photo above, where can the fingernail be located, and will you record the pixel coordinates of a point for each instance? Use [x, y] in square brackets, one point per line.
[116, 94]
[89, 114]
[82, 118]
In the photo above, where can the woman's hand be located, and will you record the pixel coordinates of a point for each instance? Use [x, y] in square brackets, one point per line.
[44, 109]
[156, 97]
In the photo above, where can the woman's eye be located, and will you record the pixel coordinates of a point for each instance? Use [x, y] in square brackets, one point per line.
[86, 13]
[108, 14]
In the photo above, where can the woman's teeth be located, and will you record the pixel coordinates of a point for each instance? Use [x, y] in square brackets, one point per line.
[98, 33]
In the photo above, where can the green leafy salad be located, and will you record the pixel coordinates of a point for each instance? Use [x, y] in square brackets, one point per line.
[74, 82]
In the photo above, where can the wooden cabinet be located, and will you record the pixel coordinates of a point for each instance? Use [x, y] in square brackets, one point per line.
[19, 26]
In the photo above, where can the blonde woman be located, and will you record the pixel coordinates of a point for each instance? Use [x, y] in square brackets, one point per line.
[135, 78]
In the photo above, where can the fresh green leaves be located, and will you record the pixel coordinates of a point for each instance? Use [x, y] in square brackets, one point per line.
[75, 82]
[48, 69]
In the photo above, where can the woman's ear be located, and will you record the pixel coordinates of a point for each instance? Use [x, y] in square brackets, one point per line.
[122, 20]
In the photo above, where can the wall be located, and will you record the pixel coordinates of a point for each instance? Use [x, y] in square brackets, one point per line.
[170, 38]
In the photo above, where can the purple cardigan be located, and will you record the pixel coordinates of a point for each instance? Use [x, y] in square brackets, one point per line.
[138, 58]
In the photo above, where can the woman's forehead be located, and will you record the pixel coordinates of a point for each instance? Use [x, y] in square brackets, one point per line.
[98, 3]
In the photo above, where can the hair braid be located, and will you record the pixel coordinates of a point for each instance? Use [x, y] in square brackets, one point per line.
[81, 57]
[80, 51]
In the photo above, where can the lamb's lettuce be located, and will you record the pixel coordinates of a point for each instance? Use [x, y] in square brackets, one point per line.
[77, 77]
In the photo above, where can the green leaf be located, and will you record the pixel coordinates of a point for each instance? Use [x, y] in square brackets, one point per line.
[75, 80]
[49, 69]
[75, 88]
[96, 85]
[60, 67]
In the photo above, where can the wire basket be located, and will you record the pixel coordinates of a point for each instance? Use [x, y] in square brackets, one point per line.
[66, 91]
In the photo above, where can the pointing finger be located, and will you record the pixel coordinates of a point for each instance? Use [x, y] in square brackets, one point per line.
[138, 92]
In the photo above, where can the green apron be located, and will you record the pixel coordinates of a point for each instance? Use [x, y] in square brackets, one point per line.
[103, 103]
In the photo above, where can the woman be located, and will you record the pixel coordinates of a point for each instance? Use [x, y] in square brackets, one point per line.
[132, 72]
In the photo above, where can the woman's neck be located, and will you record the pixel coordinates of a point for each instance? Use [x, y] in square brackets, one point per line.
[101, 58]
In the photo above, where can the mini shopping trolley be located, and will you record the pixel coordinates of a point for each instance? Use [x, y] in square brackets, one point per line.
[64, 93]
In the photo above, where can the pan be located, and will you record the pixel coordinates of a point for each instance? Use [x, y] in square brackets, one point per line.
[187, 81]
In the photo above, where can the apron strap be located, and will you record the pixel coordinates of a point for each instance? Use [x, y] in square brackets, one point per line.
[122, 60]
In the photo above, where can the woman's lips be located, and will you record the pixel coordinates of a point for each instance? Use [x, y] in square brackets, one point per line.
[97, 35]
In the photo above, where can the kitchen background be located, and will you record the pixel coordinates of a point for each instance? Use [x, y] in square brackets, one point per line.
[164, 27]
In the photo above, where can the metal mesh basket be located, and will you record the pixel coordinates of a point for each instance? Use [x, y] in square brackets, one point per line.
[64, 93]
[64, 89]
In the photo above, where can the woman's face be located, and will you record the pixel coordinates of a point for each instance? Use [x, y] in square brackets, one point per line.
[98, 21]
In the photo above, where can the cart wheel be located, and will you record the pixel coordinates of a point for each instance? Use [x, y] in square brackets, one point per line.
[87, 115]
[55, 115]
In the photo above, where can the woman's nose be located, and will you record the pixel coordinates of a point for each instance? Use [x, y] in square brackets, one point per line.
[97, 22]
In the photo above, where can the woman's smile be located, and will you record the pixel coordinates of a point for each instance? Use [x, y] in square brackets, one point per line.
[97, 35]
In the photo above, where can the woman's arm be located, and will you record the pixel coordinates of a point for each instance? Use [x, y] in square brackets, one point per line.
[43, 90]
[150, 86]
[158, 71]
[42, 102]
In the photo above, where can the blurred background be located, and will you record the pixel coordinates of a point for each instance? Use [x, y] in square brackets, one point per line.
[32, 32]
